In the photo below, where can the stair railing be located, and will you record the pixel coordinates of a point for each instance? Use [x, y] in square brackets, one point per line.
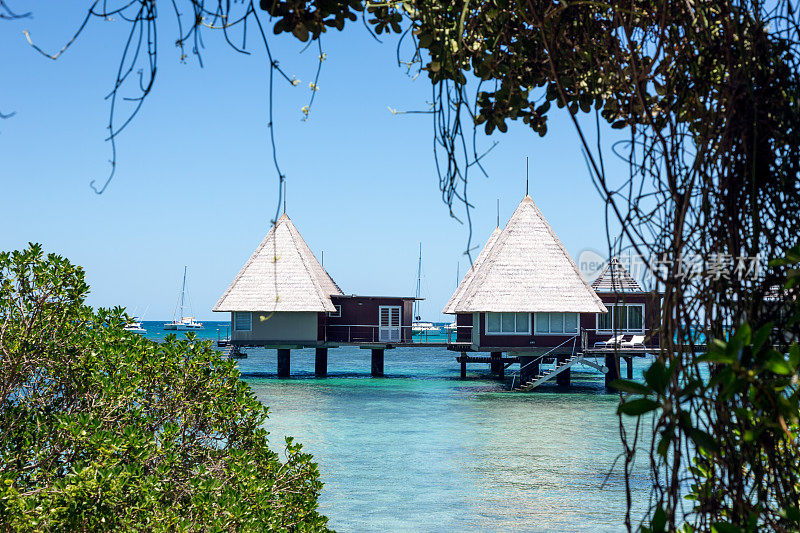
[548, 352]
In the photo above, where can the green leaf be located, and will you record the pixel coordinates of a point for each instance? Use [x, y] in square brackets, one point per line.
[792, 514]
[659, 521]
[779, 365]
[725, 527]
[761, 336]
[301, 32]
[625, 385]
[657, 376]
[703, 440]
[637, 407]
[794, 355]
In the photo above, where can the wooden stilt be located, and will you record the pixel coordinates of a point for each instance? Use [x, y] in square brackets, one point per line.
[377, 362]
[284, 359]
[629, 366]
[496, 365]
[321, 363]
[463, 365]
[612, 362]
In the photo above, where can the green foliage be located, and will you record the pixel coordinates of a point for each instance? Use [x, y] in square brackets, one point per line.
[101, 429]
[742, 421]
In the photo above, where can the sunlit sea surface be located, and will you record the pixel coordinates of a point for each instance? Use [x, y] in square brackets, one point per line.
[422, 450]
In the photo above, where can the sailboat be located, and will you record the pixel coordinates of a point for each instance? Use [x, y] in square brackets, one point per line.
[184, 323]
[417, 327]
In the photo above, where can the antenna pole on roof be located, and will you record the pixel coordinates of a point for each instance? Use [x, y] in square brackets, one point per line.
[526, 178]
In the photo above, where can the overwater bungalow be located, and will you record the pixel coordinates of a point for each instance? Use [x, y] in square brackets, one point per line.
[524, 296]
[283, 298]
[523, 292]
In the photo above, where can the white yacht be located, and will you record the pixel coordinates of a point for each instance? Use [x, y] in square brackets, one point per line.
[419, 328]
[134, 326]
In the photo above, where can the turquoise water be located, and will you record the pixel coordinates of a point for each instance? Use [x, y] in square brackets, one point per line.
[422, 450]
[212, 330]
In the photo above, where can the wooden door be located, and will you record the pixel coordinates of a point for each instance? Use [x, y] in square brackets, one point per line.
[389, 323]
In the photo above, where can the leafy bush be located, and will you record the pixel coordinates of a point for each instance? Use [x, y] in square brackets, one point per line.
[103, 429]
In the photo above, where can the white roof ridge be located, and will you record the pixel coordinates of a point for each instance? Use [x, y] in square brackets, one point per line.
[304, 260]
[566, 253]
[302, 284]
[244, 267]
[536, 275]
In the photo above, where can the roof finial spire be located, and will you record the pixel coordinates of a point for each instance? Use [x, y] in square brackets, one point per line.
[498, 212]
[284, 197]
[526, 178]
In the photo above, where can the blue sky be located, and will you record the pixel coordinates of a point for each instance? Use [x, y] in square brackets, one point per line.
[195, 183]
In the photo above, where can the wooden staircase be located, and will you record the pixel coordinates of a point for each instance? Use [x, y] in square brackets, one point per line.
[233, 352]
[547, 376]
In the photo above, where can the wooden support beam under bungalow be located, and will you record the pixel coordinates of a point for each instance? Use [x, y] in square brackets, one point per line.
[283, 298]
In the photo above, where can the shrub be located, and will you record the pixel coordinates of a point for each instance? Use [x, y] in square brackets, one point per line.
[103, 429]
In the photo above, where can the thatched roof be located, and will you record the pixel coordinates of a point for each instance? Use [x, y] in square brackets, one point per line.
[281, 275]
[615, 278]
[527, 269]
[458, 295]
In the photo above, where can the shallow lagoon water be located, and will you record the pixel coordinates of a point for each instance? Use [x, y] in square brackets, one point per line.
[422, 450]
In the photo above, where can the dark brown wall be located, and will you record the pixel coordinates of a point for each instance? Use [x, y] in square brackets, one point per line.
[463, 327]
[361, 314]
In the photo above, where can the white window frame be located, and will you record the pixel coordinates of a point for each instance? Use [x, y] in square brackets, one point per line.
[509, 333]
[249, 322]
[611, 310]
[563, 323]
[337, 313]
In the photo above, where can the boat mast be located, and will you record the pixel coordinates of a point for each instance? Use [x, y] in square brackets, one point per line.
[183, 289]
[419, 285]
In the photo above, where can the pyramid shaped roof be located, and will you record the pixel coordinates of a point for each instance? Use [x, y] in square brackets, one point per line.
[615, 278]
[527, 269]
[281, 275]
[456, 297]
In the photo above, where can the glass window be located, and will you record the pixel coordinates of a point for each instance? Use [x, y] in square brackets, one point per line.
[508, 322]
[542, 322]
[635, 317]
[604, 319]
[556, 322]
[523, 323]
[570, 322]
[336, 313]
[620, 317]
[493, 322]
[242, 321]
